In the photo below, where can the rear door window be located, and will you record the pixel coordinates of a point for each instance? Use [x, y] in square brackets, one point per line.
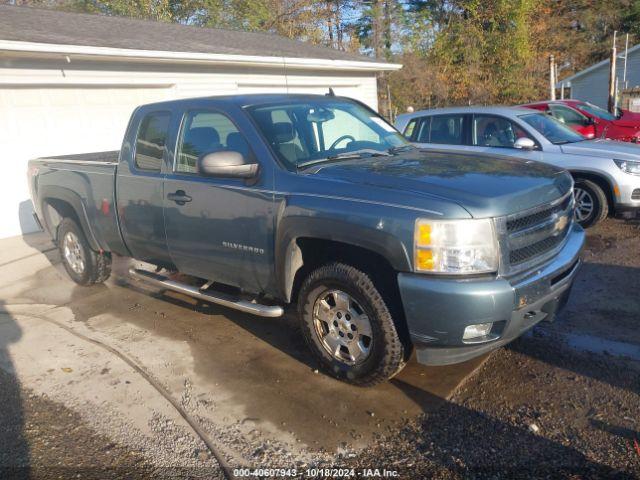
[446, 130]
[151, 141]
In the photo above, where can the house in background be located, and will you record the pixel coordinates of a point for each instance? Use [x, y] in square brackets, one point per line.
[592, 83]
[69, 82]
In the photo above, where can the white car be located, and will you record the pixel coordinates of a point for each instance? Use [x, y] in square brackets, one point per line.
[606, 172]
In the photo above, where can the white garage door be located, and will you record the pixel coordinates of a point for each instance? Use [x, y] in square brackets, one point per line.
[36, 122]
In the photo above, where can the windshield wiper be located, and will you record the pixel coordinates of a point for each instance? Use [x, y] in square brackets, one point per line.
[364, 153]
[401, 148]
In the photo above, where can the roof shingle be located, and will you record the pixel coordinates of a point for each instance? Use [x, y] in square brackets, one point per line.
[28, 24]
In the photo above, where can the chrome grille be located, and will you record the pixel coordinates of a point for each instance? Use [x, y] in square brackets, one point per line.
[533, 236]
[518, 223]
[525, 253]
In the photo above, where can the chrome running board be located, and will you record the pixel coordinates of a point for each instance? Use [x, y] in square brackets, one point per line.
[223, 299]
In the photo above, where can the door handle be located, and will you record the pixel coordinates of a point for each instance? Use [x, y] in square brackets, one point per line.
[180, 197]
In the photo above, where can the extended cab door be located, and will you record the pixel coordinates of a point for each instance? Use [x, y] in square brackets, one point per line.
[139, 189]
[219, 229]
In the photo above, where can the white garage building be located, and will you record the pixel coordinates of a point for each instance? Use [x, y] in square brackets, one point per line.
[68, 82]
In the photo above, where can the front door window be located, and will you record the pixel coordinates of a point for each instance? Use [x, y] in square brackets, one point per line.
[493, 131]
[206, 132]
[568, 116]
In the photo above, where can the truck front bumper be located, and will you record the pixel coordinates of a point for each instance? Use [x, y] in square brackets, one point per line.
[438, 310]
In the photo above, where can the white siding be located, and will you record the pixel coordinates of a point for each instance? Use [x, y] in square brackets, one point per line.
[52, 107]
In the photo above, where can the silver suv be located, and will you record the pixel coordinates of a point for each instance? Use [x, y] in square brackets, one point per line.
[606, 172]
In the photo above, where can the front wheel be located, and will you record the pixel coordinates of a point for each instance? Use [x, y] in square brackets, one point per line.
[591, 203]
[347, 324]
[84, 266]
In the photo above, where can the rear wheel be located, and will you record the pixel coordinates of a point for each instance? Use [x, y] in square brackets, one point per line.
[347, 324]
[84, 266]
[591, 203]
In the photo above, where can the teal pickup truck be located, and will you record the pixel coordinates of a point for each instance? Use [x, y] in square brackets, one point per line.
[317, 201]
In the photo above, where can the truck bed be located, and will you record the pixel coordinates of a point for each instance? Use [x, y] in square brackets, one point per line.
[85, 182]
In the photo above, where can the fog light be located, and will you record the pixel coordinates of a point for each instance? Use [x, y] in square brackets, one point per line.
[476, 331]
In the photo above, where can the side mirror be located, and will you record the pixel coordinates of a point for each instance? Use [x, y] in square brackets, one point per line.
[226, 163]
[589, 132]
[524, 143]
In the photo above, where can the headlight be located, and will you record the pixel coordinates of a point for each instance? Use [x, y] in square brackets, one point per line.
[628, 166]
[455, 246]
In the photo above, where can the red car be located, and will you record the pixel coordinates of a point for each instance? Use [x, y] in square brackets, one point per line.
[592, 121]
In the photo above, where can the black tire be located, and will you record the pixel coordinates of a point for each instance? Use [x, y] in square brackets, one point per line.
[594, 193]
[386, 356]
[96, 265]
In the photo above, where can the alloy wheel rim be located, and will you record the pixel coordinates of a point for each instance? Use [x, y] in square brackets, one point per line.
[73, 253]
[342, 326]
[584, 204]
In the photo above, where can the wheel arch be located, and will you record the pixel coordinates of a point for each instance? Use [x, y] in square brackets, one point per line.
[602, 181]
[62, 203]
[308, 253]
[305, 242]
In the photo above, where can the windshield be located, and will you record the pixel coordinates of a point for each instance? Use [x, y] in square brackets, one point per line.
[306, 132]
[553, 130]
[596, 111]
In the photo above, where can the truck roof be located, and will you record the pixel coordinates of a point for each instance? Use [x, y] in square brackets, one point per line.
[244, 100]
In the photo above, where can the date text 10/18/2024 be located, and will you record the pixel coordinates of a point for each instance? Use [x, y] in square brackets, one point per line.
[316, 473]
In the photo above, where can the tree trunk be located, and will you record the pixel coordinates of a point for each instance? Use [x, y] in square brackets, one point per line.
[330, 23]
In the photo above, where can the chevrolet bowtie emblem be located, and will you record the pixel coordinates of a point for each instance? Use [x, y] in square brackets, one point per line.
[560, 225]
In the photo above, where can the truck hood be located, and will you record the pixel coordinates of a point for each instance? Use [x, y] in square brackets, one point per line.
[484, 185]
[604, 149]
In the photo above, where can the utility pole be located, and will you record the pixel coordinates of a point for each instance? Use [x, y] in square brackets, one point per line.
[611, 104]
[624, 73]
[391, 117]
[552, 77]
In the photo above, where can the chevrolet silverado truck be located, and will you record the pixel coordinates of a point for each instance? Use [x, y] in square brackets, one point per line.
[266, 201]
